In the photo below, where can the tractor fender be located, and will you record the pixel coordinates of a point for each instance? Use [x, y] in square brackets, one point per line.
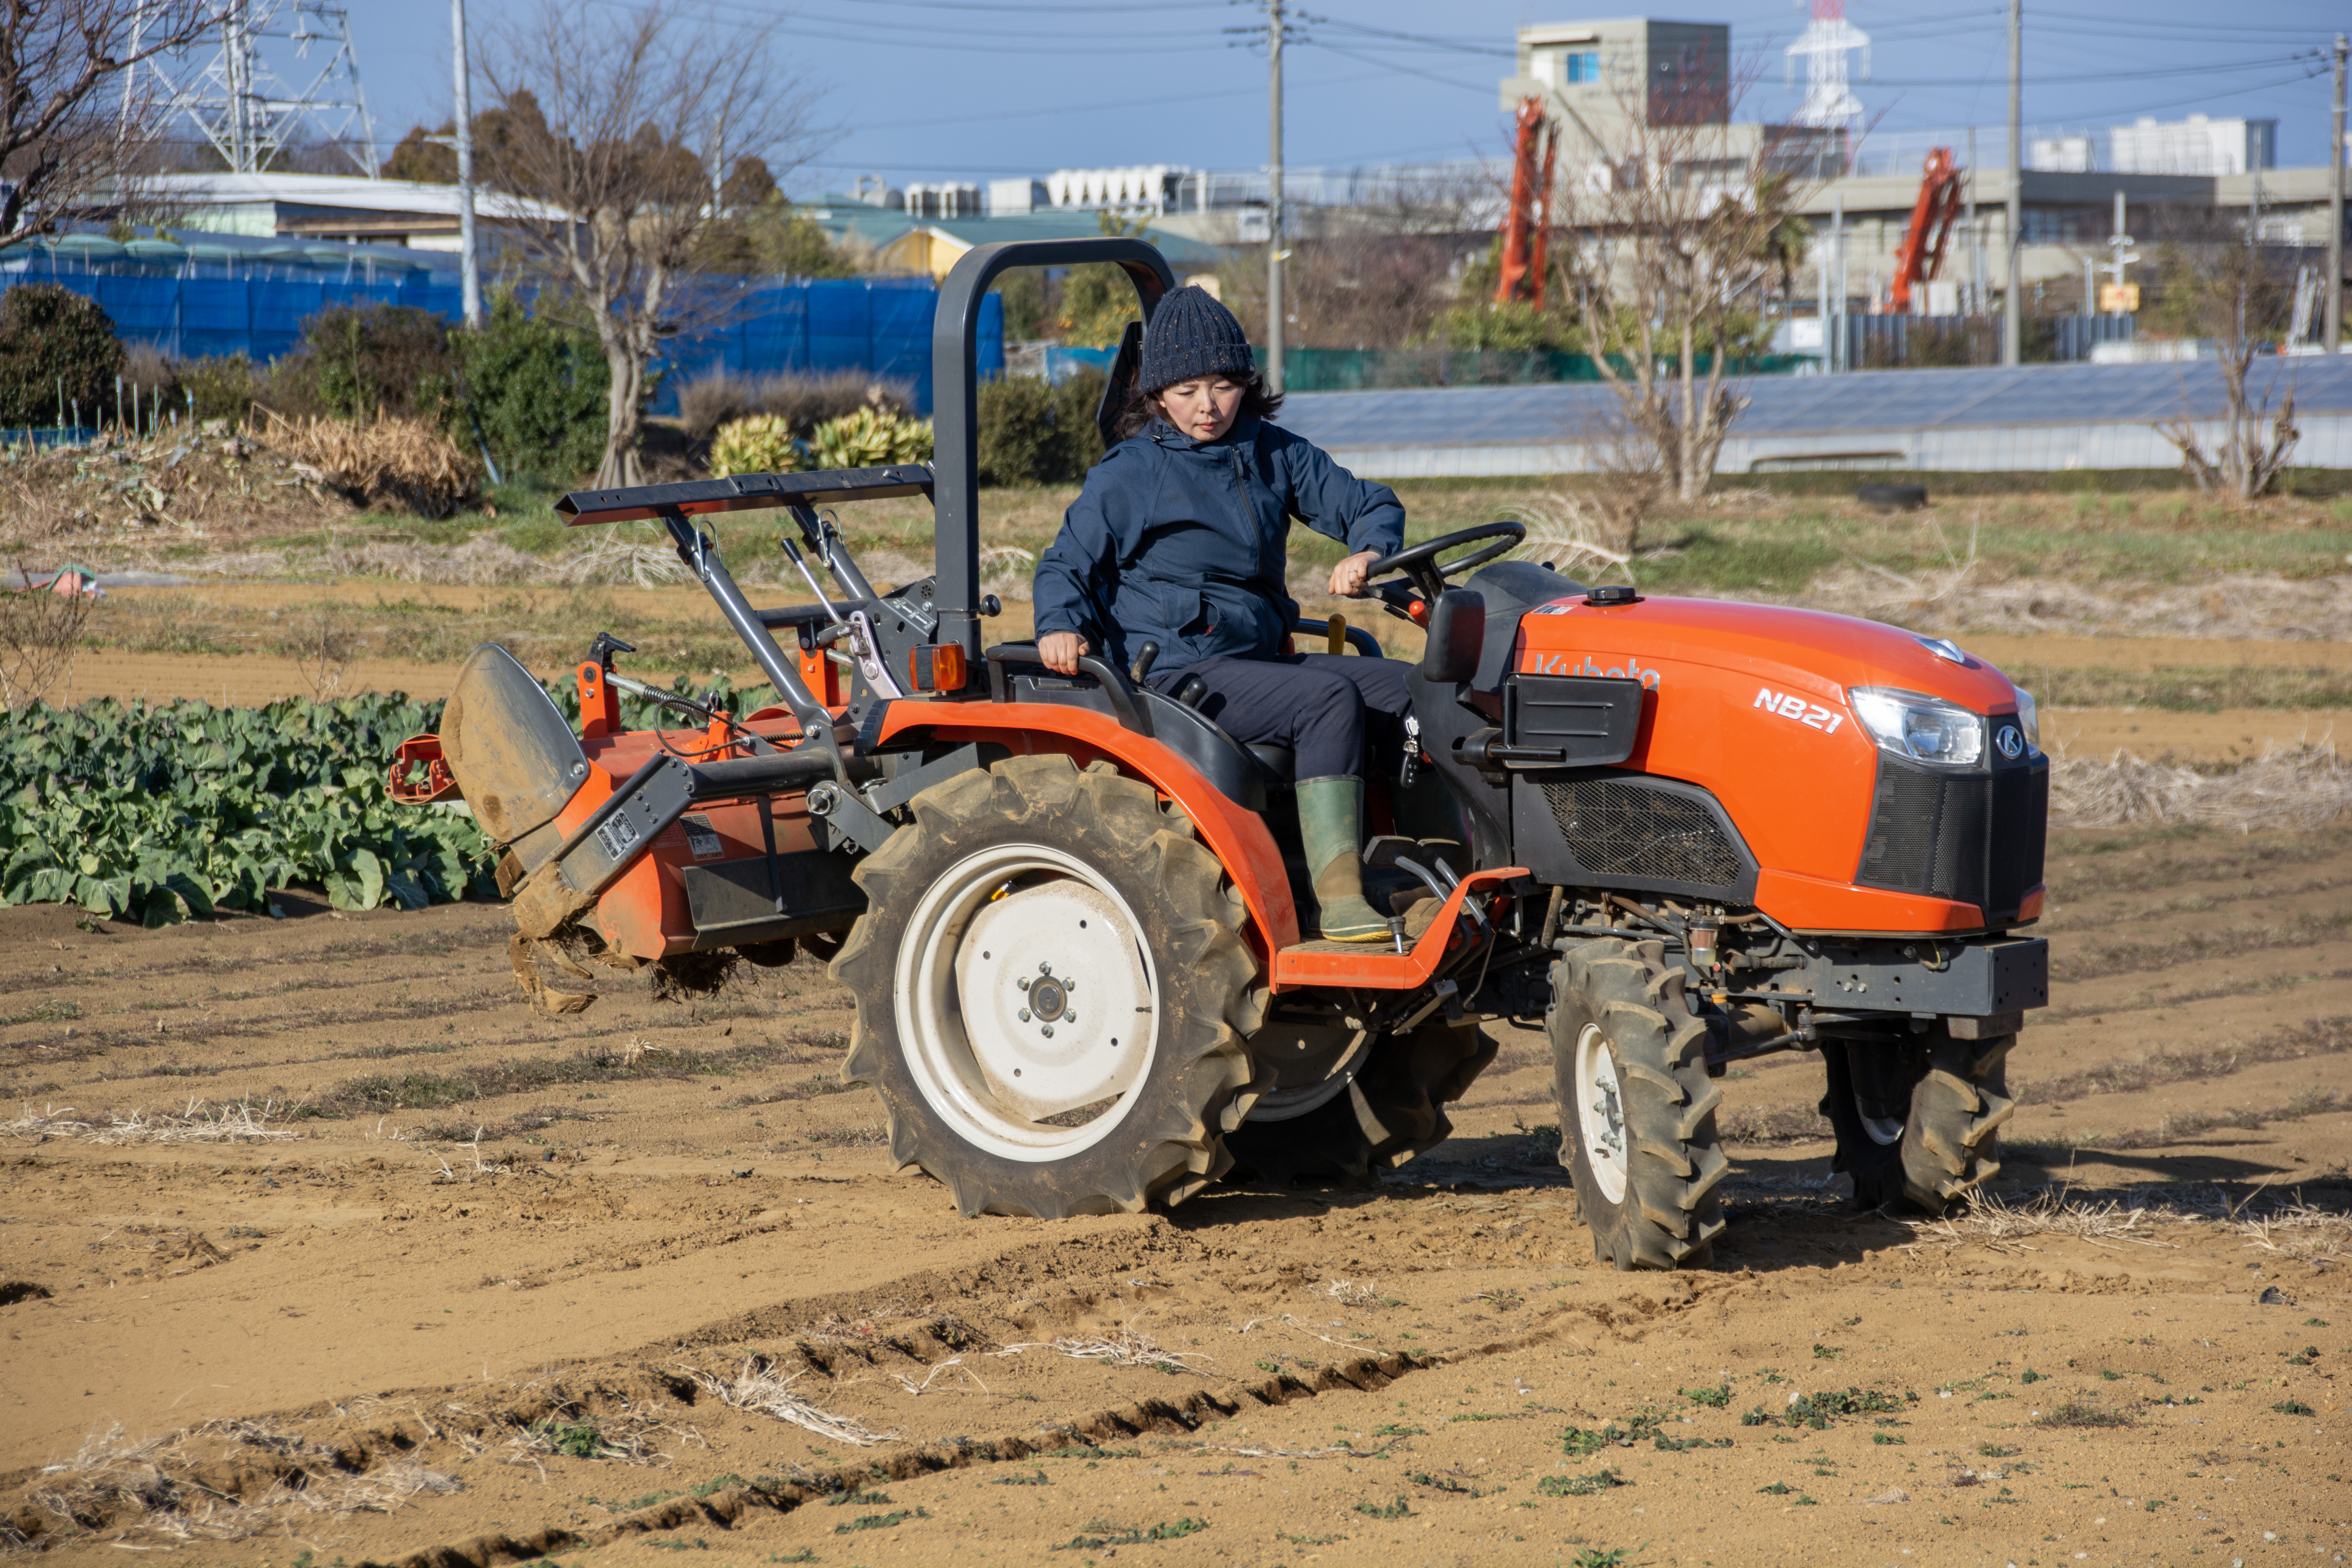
[1237, 837]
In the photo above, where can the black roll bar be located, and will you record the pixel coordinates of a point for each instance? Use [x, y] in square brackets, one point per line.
[955, 402]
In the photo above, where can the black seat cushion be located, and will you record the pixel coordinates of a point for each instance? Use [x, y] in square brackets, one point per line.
[1278, 762]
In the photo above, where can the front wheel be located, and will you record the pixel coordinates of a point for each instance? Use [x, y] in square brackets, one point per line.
[1377, 1104]
[1636, 1109]
[1919, 1119]
[1052, 993]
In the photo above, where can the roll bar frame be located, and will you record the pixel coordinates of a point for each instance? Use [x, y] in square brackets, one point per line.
[955, 402]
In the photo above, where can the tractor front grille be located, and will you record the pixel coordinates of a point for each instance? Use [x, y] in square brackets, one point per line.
[1619, 830]
[1973, 837]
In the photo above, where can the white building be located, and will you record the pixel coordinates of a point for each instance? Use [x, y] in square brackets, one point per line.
[2193, 146]
[328, 207]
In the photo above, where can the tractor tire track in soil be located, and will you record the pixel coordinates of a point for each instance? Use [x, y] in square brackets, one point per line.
[639, 1280]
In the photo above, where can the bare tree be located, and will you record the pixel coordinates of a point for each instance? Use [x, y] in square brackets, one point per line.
[1678, 224]
[1379, 273]
[2228, 289]
[65, 129]
[621, 125]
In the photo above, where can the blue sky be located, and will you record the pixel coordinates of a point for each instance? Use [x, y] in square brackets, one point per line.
[975, 88]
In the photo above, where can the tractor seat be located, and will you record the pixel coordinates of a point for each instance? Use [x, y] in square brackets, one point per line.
[1278, 763]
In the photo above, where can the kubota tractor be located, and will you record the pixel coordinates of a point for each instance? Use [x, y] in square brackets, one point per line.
[1667, 833]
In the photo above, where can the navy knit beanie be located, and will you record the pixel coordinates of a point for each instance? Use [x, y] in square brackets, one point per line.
[1193, 334]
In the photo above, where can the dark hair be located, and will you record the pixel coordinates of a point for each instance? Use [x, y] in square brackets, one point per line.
[1141, 409]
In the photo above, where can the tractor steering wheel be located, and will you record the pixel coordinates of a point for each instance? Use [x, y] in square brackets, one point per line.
[1421, 566]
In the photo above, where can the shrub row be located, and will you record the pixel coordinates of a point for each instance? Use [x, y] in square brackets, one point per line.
[527, 390]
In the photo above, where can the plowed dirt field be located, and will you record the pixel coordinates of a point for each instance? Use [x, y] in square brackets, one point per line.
[638, 1286]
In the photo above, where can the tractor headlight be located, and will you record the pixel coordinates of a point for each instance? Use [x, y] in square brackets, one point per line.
[2028, 719]
[1915, 724]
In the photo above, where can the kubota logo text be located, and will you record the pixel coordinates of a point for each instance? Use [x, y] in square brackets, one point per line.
[1789, 705]
[1557, 664]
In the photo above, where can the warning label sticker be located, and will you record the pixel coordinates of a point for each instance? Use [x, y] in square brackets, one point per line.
[701, 838]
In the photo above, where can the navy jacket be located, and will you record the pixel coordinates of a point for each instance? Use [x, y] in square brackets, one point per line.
[1184, 543]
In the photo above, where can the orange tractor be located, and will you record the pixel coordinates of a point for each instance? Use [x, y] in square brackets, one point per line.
[1667, 834]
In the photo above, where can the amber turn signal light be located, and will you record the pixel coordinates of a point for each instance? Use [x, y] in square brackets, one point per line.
[937, 666]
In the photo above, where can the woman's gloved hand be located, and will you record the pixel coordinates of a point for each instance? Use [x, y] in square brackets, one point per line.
[1060, 651]
[1348, 577]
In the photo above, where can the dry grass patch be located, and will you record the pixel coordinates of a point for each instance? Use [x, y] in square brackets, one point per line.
[756, 1387]
[2005, 1227]
[225, 1481]
[196, 1122]
[2302, 1231]
[407, 463]
[2304, 786]
[1124, 1347]
[2317, 1037]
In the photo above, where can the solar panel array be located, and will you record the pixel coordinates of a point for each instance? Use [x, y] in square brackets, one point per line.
[1887, 401]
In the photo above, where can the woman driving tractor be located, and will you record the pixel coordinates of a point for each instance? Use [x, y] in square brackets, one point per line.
[1178, 538]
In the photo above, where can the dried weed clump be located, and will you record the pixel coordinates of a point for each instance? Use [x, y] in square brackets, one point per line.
[1970, 594]
[196, 1122]
[623, 553]
[2302, 787]
[1124, 1347]
[756, 1387]
[405, 462]
[225, 1481]
[2005, 1227]
[2302, 1231]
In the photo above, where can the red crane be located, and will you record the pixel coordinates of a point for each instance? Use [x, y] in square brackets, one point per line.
[1932, 216]
[1526, 230]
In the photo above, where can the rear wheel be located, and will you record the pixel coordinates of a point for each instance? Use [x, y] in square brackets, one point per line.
[1919, 1119]
[1052, 993]
[1369, 1114]
[1636, 1109]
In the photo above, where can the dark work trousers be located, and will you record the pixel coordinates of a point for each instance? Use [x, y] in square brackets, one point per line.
[1323, 706]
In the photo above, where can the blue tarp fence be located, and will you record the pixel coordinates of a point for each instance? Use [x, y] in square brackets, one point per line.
[879, 326]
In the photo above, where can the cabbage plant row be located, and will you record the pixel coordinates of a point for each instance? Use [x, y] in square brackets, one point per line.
[160, 813]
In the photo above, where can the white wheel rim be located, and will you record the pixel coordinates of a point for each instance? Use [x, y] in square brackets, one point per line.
[1280, 1104]
[1885, 1132]
[1599, 1112]
[1014, 913]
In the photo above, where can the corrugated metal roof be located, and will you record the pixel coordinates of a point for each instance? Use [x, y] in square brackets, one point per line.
[1889, 401]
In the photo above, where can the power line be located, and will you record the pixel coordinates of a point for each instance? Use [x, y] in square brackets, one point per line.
[1420, 38]
[1251, 91]
[2108, 26]
[1408, 70]
[2271, 63]
[917, 40]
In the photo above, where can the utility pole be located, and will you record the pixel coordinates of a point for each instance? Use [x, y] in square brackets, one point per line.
[1274, 203]
[1968, 227]
[1837, 344]
[1821, 282]
[2335, 211]
[470, 267]
[2012, 337]
[2121, 254]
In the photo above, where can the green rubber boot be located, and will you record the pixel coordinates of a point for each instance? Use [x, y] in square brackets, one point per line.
[1331, 821]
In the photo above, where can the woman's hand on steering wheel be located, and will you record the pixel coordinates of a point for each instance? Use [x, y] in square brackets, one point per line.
[1060, 651]
[1349, 577]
